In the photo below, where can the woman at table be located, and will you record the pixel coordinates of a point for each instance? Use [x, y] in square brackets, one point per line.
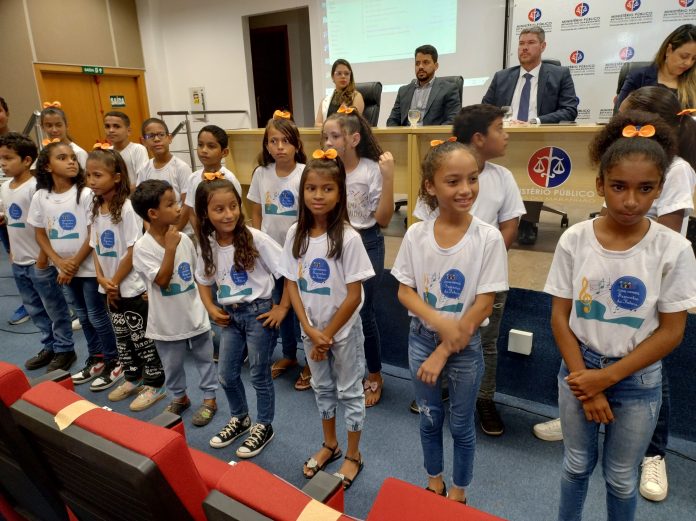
[672, 68]
[345, 92]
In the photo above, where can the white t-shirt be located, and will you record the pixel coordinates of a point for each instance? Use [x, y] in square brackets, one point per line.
[175, 312]
[16, 202]
[65, 222]
[364, 188]
[448, 279]
[197, 178]
[278, 197]
[498, 200]
[135, 156]
[80, 153]
[242, 286]
[322, 280]
[175, 172]
[677, 192]
[111, 242]
[617, 295]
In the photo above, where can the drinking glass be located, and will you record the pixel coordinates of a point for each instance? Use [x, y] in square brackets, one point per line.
[413, 117]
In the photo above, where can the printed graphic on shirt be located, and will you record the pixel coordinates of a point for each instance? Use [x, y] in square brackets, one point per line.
[358, 202]
[15, 212]
[280, 203]
[61, 228]
[186, 275]
[107, 241]
[450, 285]
[239, 279]
[612, 302]
[318, 272]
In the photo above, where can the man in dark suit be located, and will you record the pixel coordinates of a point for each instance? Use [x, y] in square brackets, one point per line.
[437, 100]
[537, 92]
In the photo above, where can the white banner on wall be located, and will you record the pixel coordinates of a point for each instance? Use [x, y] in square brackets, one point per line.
[595, 38]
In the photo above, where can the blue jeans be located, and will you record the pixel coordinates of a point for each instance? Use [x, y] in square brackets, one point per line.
[289, 326]
[83, 295]
[339, 378]
[44, 301]
[463, 372]
[658, 442]
[373, 240]
[245, 329]
[635, 402]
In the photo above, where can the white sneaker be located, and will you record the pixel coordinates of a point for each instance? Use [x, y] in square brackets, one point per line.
[549, 431]
[653, 478]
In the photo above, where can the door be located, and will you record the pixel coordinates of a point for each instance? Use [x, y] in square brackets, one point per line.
[85, 98]
[270, 61]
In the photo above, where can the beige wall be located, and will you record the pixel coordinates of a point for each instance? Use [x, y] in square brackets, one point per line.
[74, 32]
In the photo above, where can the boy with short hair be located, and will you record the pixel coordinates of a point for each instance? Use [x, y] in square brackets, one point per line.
[118, 131]
[164, 165]
[499, 204]
[178, 322]
[35, 279]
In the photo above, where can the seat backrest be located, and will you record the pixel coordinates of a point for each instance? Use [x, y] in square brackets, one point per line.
[106, 463]
[458, 81]
[29, 494]
[551, 61]
[397, 499]
[625, 69]
[372, 95]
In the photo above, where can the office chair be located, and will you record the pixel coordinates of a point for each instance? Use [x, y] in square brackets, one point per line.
[458, 81]
[372, 95]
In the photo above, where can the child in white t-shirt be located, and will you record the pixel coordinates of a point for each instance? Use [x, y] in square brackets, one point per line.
[241, 262]
[35, 279]
[326, 263]
[273, 196]
[54, 125]
[370, 192]
[115, 228]
[449, 270]
[60, 212]
[621, 285]
[166, 260]
[118, 131]
[211, 150]
[164, 165]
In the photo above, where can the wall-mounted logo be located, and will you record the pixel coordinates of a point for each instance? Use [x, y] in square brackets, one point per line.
[686, 3]
[534, 15]
[632, 5]
[582, 9]
[577, 56]
[549, 167]
[627, 53]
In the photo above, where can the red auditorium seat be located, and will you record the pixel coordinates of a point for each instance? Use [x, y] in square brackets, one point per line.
[21, 495]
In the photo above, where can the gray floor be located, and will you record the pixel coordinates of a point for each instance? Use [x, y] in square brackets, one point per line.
[515, 477]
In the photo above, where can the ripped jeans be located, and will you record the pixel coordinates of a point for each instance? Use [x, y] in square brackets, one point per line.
[463, 372]
[635, 402]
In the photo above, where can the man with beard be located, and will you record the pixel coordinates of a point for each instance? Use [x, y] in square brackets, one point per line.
[438, 100]
[537, 92]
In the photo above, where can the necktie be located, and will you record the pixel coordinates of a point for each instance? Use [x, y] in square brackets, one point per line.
[523, 111]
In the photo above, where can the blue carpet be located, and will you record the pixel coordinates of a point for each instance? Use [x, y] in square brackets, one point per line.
[516, 476]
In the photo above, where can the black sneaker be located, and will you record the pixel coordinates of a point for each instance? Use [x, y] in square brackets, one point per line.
[62, 361]
[491, 423]
[41, 359]
[260, 436]
[112, 373]
[93, 368]
[230, 432]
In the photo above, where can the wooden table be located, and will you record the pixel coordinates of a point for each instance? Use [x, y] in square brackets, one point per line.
[550, 162]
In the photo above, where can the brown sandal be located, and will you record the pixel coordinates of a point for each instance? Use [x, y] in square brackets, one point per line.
[281, 366]
[314, 466]
[303, 381]
[348, 482]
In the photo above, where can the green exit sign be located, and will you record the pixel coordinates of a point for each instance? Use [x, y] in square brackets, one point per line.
[92, 69]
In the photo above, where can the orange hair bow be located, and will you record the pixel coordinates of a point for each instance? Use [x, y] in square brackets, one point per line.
[328, 154]
[47, 141]
[212, 176]
[640, 131]
[345, 110]
[104, 145]
[56, 104]
[281, 114]
[686, 112]
[438, 142]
